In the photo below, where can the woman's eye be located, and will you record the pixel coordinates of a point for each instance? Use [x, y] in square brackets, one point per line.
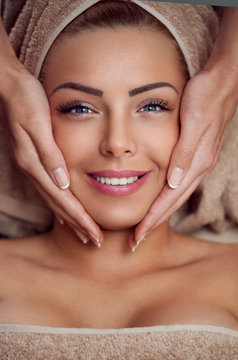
[155, 106]
[151, 108]
[80, 110]
[74, 108]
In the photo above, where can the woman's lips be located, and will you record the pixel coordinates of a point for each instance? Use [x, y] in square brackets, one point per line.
[122, 182]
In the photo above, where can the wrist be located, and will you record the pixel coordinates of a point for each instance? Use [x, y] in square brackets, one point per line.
[224, 77]
[9, 63]
[223, 61]
[10, 73]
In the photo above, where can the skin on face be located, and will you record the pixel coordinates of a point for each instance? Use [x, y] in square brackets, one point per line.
[115, 131]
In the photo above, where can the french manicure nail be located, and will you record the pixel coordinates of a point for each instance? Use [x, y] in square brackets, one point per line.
[60, 220]
[138, 243]
[142, 238]
[81, 236]
[95, 238]
[61, 178]
[134, 247]
[175, 178]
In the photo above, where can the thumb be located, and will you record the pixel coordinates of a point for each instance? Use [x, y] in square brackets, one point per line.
[54, 163]
[182, 156]
[51, 157]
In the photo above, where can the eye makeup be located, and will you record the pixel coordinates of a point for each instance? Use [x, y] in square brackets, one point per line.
[155, 105]
[79, 107]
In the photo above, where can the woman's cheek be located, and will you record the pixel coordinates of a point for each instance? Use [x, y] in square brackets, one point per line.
[162, 143]
[64, 137]
[74, 140]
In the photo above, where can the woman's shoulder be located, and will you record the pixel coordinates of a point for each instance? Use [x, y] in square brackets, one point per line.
[214, 263]
[19, 257]
[226, 260]
[220, 258]
[225, 256]
[17, 251]
[221, 270]
[227, 268]
[212, 250]
[208, 252]
[18, 246]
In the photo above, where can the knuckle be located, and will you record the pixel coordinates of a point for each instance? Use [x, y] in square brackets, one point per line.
[47, 151]
[214, 161]
[22, 159]
[209, 162]
[49, 156]
[186, 154]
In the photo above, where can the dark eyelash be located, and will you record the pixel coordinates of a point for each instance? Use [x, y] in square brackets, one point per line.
[161, 103]
[69, 106]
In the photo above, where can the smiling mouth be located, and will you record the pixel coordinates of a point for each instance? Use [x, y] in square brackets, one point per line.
[115, 181]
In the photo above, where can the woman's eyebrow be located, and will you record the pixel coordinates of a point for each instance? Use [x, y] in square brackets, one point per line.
[80, 87]
[97, 92]
[147, 87]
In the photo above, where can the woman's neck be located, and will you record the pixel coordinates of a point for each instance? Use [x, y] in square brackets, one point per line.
[114, 258]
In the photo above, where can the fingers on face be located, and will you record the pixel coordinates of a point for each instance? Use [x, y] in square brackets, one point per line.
[56, 199]
[167, 203]
[50, 156]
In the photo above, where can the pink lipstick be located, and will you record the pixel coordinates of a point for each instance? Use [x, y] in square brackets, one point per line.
[112, 182]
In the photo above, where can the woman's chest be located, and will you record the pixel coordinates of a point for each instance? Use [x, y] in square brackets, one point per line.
[154, 299]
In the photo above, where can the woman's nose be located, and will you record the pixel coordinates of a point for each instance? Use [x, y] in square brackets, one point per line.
[118, 139]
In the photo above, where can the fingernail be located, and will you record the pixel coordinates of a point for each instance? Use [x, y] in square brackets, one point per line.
[142, 238]
[61, 178]
[60, 220]
[175, 177]
[138, 243]
[81, 236]
[134, 247]
[95, 238]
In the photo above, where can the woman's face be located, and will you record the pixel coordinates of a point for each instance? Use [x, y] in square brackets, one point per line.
[114, 96]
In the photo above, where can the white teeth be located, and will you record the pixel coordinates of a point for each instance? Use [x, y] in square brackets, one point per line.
[122, 181]
[108, 181]
[116, 181]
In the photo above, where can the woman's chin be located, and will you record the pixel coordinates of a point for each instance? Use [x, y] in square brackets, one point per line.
[118, 223]
[116, 227]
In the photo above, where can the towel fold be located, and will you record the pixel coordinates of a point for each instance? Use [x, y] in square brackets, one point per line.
[195, 28]
[178, 342]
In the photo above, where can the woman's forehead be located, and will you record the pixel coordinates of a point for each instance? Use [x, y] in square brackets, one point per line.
[128, 56]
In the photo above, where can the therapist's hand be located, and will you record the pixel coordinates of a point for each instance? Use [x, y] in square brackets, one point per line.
[25, 115]
[204, 118]
[207, 106]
